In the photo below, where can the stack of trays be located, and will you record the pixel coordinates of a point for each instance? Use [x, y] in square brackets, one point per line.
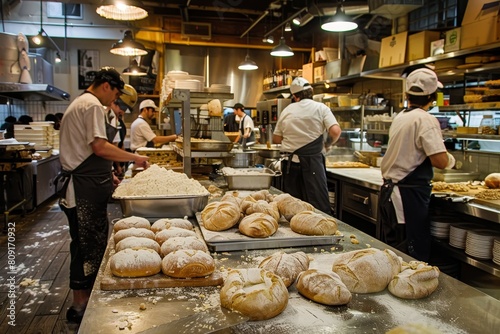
[479, 244]
[496, 251]
[440, 229]
[219, 88]
[458, 234]
[42, 134]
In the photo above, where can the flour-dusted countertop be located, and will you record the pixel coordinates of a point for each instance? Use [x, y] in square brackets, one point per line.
[366, 177]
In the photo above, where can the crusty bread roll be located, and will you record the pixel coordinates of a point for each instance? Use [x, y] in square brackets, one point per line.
[137, 243]
[165, 223]
[176, 243]
[133, 232]
[492, 181]
[415, 281]
[254, 292]
[135, 263]
[286, 266]
[188, 263]
[289, 206]
[164, 235]
[258, 225]
[132, 221]
[220, 216]
[246, 203]
[262, 195]
[367, 270]
[324, 287]
[312, 223]
[231, 197]
[262, 206]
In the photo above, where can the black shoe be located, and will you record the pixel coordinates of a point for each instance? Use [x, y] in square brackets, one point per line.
[73, 315]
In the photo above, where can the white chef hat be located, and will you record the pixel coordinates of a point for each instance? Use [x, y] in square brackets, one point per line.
[422, 82]
[299, 84]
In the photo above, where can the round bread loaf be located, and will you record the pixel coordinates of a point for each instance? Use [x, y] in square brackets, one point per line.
[264, 207]
[289, 206]
[415, 281]
[135, 263]
[166, 223]
[132, 221]
[286, 266]
[231, 197]
[264, 195]
[220, 216]
[164, 235]
[323, 287]
[367, 270]
[312, 223]
[246, 203]
[188, 263]
[177, 243]
[133, 232]
[137, 243]
[258, 225]
[492, 181]
[254, 292]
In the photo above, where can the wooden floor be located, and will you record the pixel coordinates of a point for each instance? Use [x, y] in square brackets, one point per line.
[41, 275]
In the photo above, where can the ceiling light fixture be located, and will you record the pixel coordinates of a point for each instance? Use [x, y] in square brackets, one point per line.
[339, 22]
[270, 39]
[248, 64]
[135, 70]
[282, 50]
[297, 20]
[288, 27]
[128, 46]
[122, 10]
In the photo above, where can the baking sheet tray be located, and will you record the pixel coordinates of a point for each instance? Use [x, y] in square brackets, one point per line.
[232, 239]
[162, 207]
[250, 181]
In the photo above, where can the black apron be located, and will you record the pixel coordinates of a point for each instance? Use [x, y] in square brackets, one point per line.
[111, 131]
[249, 140]
[306, 180]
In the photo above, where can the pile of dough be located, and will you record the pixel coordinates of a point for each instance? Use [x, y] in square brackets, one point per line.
[166, 223]
[311, 223]
[416, 280]
[133, 221]
[187, 263]
[177, 243]
[135, 263]
[289, 206]
[220, 216]
[286, 266]
[323, 287]
[164, 235]
[492, 181]
[137, 243]
[258, 225]
[254, 292]
[367, 270]
[133, 232]
[261, 206]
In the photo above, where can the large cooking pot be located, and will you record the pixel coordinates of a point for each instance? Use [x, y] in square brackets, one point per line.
[269, 153]
[241, 159]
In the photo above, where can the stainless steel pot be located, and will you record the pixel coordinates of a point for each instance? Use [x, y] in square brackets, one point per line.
[270, 153]
[241, 159]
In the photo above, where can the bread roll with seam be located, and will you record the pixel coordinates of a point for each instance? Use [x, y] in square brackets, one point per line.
[286, 266]
[166, 223]
[133, 232]
[135, 263]
[416, 280]
[132, 221]
[177, 243]
[312, 223]
[263, 207]
[137, 243]
[263, 194]
[289, 206]
[187, 263]
[258, 225]
[492, 181]
[324, 287]
[220, 216]
[164, 235]
[366, 270]
[254, 292]
[232, 197]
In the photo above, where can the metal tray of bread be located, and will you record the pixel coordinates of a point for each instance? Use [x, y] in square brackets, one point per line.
[207, 145]
[233, 240]
[248, 178]
[162, 206]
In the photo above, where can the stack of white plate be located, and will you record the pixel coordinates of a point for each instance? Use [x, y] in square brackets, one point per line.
[219, 88]
[192, 85]
[479, 244]
[440, 229]
[458, 234]
[496, 251]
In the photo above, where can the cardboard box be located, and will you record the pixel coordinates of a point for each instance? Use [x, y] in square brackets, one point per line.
[308, 70]
[481, 23]
[452, 40]
[319, 73]
[393, 50]
[336, 69]
[437, 47]
[419, 44]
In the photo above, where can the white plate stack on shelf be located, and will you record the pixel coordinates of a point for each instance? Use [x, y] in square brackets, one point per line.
[458, 234]
[440, 229]
[219, 88]
[479, 244]
[496, 250]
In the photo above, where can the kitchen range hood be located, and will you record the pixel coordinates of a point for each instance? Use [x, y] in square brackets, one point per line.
[32, 92]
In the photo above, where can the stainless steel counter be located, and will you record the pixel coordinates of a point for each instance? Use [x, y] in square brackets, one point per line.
[453, 308]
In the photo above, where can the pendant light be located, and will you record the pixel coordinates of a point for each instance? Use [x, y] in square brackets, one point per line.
[282, 50]
[135, 70]
[248, 64]
[128, 46]
[339, 22]
[122, 10]
[42, 37]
